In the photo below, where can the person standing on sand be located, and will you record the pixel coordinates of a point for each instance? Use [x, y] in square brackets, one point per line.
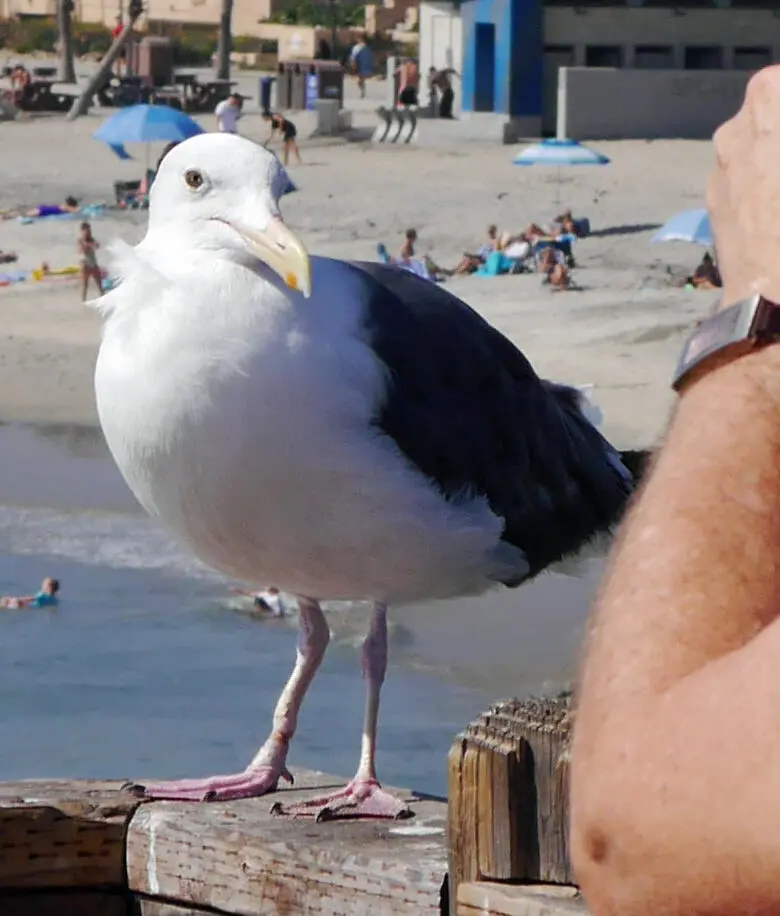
[408, 83]
[46, 597]
[90, 269]
[228, 111]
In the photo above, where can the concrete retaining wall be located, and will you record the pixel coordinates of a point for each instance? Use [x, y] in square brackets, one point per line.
[615, 104]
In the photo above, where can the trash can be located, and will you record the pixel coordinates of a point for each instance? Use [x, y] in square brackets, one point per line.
[331, 80]
[311, 80]
[298, 74]
[283, 84]
[266, 83]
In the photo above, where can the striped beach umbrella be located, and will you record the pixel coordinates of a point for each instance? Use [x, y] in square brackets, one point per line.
[560, 153]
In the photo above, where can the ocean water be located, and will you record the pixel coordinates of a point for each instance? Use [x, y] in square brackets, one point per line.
[150, 668]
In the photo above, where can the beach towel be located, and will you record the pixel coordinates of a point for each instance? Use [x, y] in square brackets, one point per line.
[17, 277]
[415, 266]
[88, 212]
[497, 263]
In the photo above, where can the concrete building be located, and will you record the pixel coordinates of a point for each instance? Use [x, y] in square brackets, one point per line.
[247, 14]
[509, 52]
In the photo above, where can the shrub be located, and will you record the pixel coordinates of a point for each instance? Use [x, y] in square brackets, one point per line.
[91, 37]
[27, 35]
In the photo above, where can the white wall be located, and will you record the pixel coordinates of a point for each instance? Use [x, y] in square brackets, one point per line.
[603, 103]
[441, 43]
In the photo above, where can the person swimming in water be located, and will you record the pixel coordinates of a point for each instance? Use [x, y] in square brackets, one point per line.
[268, 602]
[46, 597]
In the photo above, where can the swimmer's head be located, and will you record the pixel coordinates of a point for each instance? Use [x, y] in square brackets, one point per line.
[50, 586]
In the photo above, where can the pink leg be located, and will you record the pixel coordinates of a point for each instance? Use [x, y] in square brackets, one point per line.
[363, 796]
[269, 764]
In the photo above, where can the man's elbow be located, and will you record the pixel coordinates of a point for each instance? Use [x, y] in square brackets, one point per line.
[589, 845]
[608, 864]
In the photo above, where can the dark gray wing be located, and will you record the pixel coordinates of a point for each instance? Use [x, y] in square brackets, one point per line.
[467, 409]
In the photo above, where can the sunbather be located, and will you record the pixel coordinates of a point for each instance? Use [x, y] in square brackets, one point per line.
[706, 276]
[471, 262]
[571, 226]
[552, 263]
[71, 205]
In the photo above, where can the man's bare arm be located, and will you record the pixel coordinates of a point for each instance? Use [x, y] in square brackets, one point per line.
[676, 758]
[676, 763]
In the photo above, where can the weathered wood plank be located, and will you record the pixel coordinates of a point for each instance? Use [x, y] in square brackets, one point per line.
[147, 906]
[508, 789]
[59, 903]
[63, 833]
[483, 898]
[238, 858]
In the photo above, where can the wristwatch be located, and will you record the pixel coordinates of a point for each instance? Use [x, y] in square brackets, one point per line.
[727, 335]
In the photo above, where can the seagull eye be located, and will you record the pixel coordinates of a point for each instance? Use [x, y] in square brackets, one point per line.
[194, 179]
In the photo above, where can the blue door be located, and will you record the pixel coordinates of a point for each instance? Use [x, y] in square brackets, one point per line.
[484, 66]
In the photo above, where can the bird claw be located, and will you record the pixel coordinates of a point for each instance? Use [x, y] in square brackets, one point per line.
[362, 798]
[252, 783]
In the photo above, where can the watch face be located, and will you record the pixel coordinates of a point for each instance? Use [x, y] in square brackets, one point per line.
[720, 330]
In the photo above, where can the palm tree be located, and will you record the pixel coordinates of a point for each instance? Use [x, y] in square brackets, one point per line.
[225, 40]
[65, 28]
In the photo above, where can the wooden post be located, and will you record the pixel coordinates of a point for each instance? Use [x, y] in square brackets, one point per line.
[508, 795]
[82, 103]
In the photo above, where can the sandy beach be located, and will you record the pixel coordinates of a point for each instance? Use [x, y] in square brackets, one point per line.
[621, 333]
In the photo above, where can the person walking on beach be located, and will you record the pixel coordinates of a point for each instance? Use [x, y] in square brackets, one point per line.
[90, 269]
[228, 111]
[46, 597]
[362, 62]
[439, 82]
[289, 133]
[408, 83]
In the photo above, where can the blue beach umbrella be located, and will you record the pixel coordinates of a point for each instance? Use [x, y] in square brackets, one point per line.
[688, 226]
[560, 153]
[152, 124]
[146, 124]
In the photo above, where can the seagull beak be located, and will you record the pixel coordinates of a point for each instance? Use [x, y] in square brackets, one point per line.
[281, 249]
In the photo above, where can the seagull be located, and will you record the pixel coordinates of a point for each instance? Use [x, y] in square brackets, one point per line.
[345, 430]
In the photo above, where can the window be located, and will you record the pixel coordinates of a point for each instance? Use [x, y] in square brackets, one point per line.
[653, 57]
[603, 56]
[703, 58]
[752, 58]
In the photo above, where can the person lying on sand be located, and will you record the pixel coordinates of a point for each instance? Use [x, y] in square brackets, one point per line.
[268, 602]
[470, 263]
[71, 205]
[568, 225]
[46, 597]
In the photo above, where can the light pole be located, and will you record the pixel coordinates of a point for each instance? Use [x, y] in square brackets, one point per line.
[334, 34]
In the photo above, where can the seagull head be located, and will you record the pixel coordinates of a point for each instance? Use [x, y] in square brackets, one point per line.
[220, 192]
